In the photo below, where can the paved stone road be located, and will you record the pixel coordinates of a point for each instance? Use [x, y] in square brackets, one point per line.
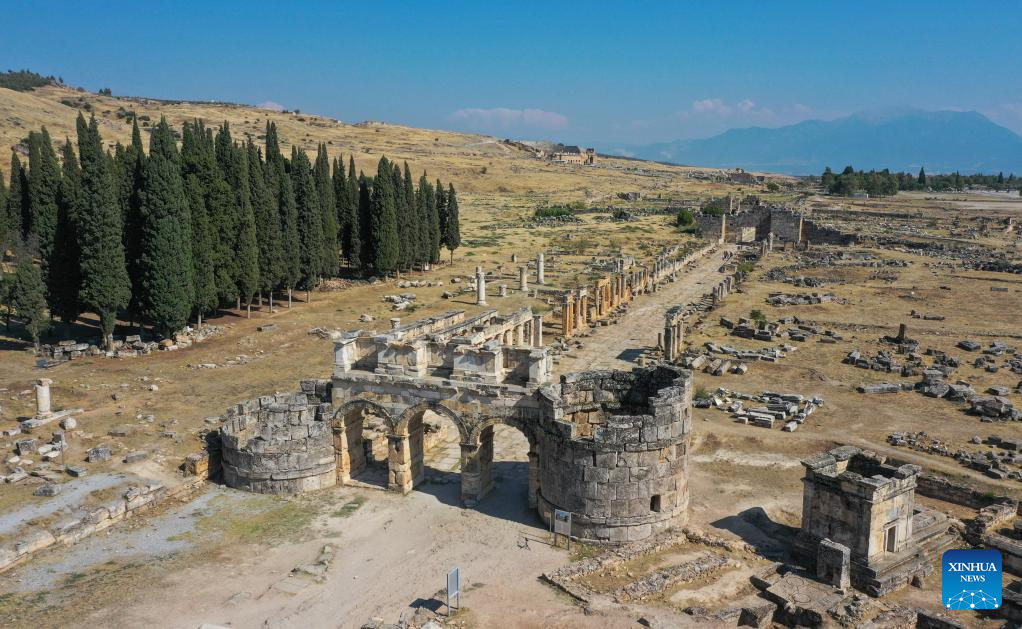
[617, 346]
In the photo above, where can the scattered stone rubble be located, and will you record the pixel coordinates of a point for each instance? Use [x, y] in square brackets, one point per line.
[1002, 458]
[789, 409]
[128, 347]
[803, 299]
[400, 302]
[736, 360]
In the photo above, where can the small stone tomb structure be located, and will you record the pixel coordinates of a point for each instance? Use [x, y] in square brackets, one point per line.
[858, 500]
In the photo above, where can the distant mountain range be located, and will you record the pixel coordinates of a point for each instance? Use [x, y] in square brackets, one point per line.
[901, 140]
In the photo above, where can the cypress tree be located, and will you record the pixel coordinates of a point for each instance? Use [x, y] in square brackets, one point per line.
[224, 215]
[452, 238]
[17, 198]
[328, 209]
[274, 158]
[431, 221]
[367, 254]
[246, 246]
[105, 285]
[43, 188]
[65, 257]
[342, 213]
[6, 281]
[310, 225]
[383, 220]
[131, 167]
[355, 228]
[198, 170]
[3, 210]
[921, 179]
[28, 297]
[166, 261]
[441, 210]
[405, 224]
[292, 264]
[204, 293]
[267, 223]
[415, 231]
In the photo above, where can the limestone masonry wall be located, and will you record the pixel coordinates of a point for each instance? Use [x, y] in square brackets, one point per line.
[279, 444]
[616, 452]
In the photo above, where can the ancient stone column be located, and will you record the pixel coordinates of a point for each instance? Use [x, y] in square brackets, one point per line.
[539, 269]
[568, 315]
[503, 290]
[514, 257]
[523, 278]
[537, 330]
[42, 397]
[480, 287]
[395, 323]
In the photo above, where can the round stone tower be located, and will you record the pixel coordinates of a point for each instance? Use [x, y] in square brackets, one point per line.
[278, 444]
[615, 452]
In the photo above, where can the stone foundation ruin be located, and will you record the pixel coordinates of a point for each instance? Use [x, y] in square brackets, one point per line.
[610, 447]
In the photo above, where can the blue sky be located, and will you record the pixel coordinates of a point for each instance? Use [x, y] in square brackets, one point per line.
[594, 72]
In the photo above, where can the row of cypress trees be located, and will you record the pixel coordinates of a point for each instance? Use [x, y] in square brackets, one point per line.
[180, 231]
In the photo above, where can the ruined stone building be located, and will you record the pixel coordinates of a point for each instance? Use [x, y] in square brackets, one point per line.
[610, 447]
[574, 155]
[861, 524]
[755, 223]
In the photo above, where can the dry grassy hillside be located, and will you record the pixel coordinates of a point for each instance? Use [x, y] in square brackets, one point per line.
[481, 166]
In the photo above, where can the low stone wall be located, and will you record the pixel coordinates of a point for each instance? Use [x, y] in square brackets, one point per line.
[941, 488]
[279, 444]
[66, 532]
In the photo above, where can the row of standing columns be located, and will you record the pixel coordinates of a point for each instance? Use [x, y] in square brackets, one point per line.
[723, 289]
[525, 334]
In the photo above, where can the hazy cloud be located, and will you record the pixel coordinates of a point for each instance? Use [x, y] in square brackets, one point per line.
[718, 107]
[799, 108]
[270, 105]
[505, 118]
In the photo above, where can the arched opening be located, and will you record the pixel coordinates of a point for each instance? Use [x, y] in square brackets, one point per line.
[361, 429]
[501, 472]
[430, 452]
[441, 448]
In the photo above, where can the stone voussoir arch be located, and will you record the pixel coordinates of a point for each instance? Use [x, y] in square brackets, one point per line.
[365, 404]
[400, 425]
[488, 421]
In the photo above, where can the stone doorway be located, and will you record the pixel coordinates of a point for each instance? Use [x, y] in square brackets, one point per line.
[361, 432]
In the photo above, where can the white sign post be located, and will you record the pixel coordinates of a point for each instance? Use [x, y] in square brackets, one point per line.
[560, 524]
[453, 589]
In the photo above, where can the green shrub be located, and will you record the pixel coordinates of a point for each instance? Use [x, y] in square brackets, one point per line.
[552, 212]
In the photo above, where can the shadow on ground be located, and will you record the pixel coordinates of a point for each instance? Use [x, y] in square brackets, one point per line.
[754, 526]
